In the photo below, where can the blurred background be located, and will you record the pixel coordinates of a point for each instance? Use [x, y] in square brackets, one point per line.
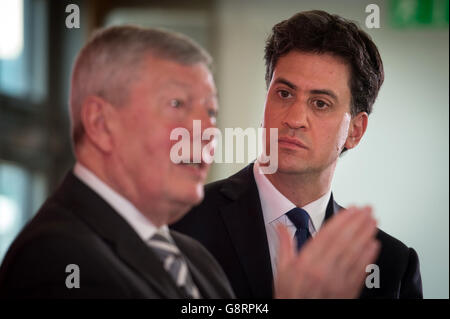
[401, 166]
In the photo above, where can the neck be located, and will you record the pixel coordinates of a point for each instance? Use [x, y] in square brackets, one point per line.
[304, 188]
[158, 212]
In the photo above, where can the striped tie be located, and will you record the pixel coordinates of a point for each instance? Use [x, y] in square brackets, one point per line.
[174, 264]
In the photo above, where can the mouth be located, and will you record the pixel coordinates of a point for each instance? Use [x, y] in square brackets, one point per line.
[291, 142]
[197, 165]
[199, 170]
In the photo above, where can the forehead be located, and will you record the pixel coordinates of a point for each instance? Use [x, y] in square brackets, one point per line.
[158, 72]
[310, 70]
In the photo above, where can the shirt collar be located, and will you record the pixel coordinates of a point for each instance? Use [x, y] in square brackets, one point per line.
[141, 225]
[275, 205]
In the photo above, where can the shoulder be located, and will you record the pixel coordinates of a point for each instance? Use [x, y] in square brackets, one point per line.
[393, 251]
[392, 247]
[52, 222]
[395, 256]
[55, 234]
[399, 270]
[221, 198]
[231, 187]
[51, 244]
[226, 190]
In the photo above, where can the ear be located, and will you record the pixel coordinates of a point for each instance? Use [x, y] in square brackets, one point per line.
[96, 115]
[358, 126]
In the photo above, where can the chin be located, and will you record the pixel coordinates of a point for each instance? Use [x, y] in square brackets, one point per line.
[198, 194]
[189, 195]
[289, 165]
[294, 168]
[184, 205]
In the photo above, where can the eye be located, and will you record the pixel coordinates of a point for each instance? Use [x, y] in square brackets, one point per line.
[284, 94]
[176, 103]
[320, 104]
[212, 113]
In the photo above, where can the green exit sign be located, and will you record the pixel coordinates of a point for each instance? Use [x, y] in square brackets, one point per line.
[419, 13]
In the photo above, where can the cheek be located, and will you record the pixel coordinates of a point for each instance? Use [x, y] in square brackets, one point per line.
[333, 136]
[271, 117]
[146, 148]
[342, 134]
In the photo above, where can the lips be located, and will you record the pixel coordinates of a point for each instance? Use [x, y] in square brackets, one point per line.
[196, 165]
[291, 142]
[198, 169]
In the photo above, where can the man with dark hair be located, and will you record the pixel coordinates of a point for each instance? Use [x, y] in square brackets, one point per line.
[323, 75]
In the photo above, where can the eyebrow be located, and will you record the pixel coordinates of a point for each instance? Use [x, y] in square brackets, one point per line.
[291, 85]
[286, 82]
[214, 94]
[325, 92]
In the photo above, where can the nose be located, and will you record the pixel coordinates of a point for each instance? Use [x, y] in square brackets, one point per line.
[296, 117]
[203, 115]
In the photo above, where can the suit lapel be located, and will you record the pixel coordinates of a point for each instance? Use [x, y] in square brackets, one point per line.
[119, 235]
[201, 281]
[245, 223]
[140, 257]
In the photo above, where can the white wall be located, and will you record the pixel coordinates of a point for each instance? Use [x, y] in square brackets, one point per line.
[401, 166]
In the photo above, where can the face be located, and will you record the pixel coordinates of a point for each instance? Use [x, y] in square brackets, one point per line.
[166, 96]
[309, 102]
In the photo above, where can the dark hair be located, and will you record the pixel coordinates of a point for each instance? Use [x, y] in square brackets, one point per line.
[320, 32]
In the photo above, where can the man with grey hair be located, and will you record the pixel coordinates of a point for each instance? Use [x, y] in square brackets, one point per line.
[104, 232]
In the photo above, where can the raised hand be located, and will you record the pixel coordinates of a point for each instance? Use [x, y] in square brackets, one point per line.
[333, 263]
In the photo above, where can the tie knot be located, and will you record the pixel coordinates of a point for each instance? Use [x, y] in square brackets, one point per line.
[299, 217]
[162, 244]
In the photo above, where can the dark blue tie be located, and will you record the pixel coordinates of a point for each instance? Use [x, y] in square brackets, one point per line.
[300, 218]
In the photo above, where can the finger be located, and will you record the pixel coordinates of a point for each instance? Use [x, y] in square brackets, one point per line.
[362, 226]
[341, 244]
[345, 236]
[284, 285]
[337, 235]
[315, 246]
[335, 224]
[323, 272]
[361, 239]
[285, 246]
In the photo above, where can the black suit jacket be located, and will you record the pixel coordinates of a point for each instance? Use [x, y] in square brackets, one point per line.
[76, 226]
[229, 223]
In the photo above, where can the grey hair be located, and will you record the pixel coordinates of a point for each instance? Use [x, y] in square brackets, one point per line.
[111, 60]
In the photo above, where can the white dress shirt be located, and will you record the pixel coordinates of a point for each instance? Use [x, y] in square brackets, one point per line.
[141, 225]
[275, 206]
